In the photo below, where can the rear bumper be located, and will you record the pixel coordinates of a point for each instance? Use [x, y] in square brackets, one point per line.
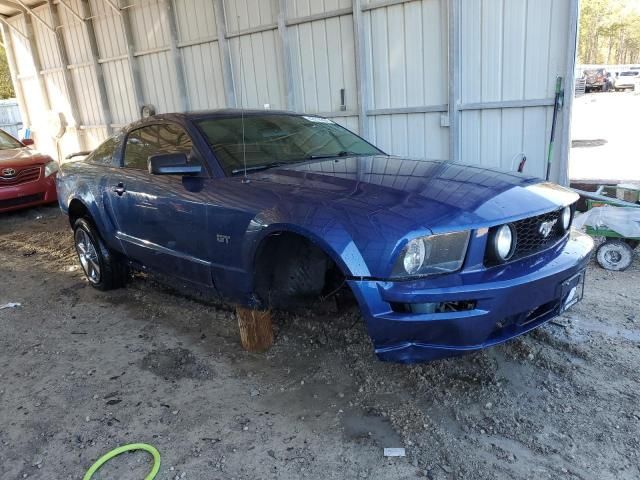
[28, 194]
[507, 301]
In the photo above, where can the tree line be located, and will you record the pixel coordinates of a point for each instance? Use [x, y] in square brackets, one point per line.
[609, 32]
[6, 86]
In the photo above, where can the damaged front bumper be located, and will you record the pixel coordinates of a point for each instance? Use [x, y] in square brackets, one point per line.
[471, 310]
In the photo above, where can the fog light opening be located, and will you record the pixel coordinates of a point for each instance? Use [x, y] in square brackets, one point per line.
[430, 308]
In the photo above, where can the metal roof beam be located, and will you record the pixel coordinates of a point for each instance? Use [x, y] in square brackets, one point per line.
[31, 12]
[4, 21]
[70, 9]
[116, 8]
[12, 4]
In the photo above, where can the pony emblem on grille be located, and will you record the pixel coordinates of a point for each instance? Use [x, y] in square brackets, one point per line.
[546, 227]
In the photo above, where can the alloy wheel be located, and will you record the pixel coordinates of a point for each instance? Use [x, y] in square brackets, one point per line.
[88, 256]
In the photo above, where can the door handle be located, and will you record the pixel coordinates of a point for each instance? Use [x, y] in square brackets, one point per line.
[119, 189]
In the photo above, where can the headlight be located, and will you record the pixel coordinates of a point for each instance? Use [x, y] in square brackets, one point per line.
[502, 243]
[432, 255]
[414, 256]
[566, 218]
[50, 168]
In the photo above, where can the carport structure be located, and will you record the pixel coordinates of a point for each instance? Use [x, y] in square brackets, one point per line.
[466, 80]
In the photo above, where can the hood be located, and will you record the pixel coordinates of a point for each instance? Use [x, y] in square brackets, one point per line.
[407, 194]
[365, 208]
[22, 157]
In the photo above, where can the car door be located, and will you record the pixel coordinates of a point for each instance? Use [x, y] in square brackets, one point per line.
[162, 219]
[96, 174]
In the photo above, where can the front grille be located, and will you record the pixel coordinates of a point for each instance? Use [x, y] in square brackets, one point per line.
[30, 174]
[529, 239]
[14, 202]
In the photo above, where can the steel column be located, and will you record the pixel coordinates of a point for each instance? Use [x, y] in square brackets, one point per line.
[363, 86]
[569, 91]
[97, 67]
[176, 55]
[454, 79]
[134, 68]
[285, 51]
[35, 57]
[225, 55]
[64, 59]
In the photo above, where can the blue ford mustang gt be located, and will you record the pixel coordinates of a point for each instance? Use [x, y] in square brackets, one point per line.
[269, 209]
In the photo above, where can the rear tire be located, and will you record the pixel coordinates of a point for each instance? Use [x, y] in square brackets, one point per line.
[614, 255]
[103, 269]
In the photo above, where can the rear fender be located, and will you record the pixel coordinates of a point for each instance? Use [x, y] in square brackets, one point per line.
[98, 213]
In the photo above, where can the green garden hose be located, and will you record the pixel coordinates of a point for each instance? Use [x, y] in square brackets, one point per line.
[127, 448]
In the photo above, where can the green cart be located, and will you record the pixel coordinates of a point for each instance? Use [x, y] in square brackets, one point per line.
[616, 253]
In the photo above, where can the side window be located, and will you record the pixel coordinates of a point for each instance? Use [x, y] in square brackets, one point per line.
[154, 139]
[140, 145]
[103, 155]
[173, 139]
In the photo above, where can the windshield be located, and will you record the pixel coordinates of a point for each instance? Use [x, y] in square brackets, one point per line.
[629, 74]
[278, 139]
[8, 142]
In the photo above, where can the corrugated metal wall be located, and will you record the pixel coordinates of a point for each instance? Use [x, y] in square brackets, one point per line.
[391, 68]
[408, 47]
[514, 50]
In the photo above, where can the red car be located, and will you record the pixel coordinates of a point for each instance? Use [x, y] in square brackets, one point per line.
[27, 178]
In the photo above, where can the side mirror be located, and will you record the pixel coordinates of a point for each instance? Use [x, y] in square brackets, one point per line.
[27, 141]
[172, 164]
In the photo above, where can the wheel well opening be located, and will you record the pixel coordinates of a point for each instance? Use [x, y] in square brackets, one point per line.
[77, 210]
[291, 271]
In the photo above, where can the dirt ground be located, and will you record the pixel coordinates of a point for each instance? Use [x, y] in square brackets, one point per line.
[82, 372]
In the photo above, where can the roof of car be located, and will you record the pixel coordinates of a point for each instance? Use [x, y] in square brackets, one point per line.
[237, 111]
[223, 112]
[207, 114]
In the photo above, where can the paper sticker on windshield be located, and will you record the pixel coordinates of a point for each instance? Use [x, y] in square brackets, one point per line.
[318, 119]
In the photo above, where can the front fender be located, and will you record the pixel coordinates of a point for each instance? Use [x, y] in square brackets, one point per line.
[337, 244]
